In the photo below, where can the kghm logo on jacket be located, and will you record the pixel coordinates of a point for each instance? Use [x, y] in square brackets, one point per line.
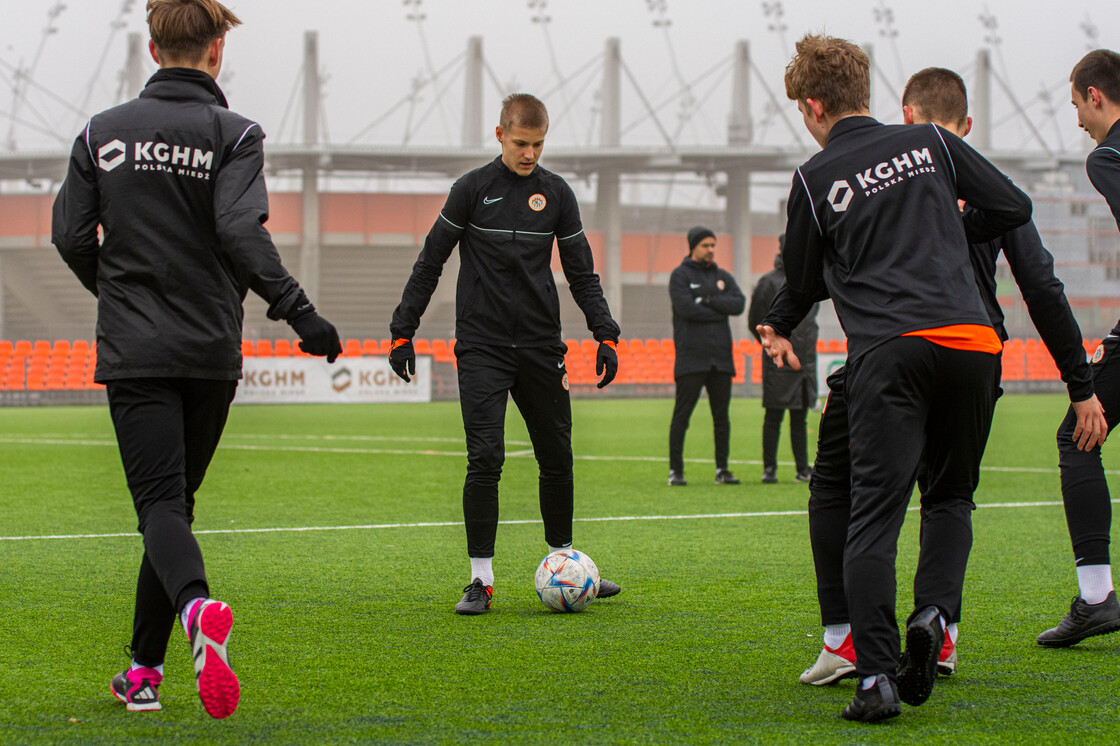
[178, 160]
[882, 176]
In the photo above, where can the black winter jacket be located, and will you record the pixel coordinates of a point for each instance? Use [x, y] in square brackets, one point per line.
[703, 297]
[873, 222]
[175, 182]
[786, 388]
[505, 225]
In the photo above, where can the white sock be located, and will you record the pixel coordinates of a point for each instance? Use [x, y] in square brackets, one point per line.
[483, 569]
[834, 634]
[867, 682]
[1094, 582]
[953, 632]
[184, 615]
[136, 665]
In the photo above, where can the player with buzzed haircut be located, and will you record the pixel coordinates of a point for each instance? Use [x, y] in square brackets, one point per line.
[505, 218]
[1095, 92]
[873, 223]
[934, 95]
[175, 181]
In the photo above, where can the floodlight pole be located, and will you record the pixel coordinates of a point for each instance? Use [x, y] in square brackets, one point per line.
[134, 66]
[608, 211]
[309, 245]
[981, 105]
[472, 94]
[740, 132]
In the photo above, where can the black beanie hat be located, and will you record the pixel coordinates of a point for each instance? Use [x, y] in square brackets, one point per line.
[698, 234]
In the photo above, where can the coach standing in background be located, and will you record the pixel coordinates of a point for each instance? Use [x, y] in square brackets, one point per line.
[704, 297]
[785, 388]
[184, 240]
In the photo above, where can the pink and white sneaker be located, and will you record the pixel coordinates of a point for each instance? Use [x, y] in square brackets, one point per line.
[208, 625]
[138, 688]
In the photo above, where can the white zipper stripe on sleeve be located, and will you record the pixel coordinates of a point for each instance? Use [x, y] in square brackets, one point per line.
[251, 126]
[565, 238]
[947, 154]
[88, 146]
[812, 208]
[1105, 147]
[459, 227]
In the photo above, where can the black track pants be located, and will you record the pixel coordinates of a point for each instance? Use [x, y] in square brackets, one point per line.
[905, 395]
[798, 439]
[538, 382]
[167, 430]
[719, 399]
[1084, 487]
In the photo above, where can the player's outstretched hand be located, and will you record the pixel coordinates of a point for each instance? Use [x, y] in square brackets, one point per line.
[317, 336]
[402, 358]
[777, 347]
[606, 363]
[1092, 427]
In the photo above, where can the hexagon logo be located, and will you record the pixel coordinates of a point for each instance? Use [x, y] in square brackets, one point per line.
[105, 158]
[341, 380]
[840, 196]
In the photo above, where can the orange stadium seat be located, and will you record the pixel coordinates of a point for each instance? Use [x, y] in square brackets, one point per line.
[264, 348]
[369, 348]
[248, 349]
[6, 347]
[353, 348]
[22, 348]
[80, 346]
[282, 348]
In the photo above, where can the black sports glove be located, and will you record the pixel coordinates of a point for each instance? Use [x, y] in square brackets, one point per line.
[606, 360]
[317, 335]
[402, 358]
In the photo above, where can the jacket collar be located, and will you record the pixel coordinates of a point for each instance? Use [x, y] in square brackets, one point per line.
[184, 84]
[850, 124]
[690, 262]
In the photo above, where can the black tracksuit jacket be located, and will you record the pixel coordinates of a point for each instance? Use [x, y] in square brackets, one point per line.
[1103, 168]
[704, 297]
[175, 181]
[1032, 266]
[505, 225]
[873, 223]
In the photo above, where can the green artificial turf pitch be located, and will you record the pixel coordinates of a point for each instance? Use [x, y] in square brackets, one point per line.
[344, 627]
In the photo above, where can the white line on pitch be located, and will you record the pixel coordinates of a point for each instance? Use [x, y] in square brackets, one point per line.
[437, 524]
[527, 453]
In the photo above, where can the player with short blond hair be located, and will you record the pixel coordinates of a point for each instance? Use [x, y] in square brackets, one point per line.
[175, 182]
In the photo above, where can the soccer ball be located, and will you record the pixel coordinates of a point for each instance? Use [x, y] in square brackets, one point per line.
[567, 580]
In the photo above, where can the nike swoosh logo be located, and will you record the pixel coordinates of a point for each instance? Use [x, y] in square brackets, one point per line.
[560, 364]
[488, 201]
[694, 285]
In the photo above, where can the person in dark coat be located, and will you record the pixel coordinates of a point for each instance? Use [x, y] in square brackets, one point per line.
[704, 297]
[785, 388]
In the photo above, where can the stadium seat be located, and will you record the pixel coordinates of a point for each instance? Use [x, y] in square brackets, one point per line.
[42, 346]
[6, 347]
[264, 348]
[61, 346]
[353, 348]
[422, 346]
[248, 349]
[370, 348]
[589, 347]
[282, 348]
[384, 345]
[22, 348]
[80, 346]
